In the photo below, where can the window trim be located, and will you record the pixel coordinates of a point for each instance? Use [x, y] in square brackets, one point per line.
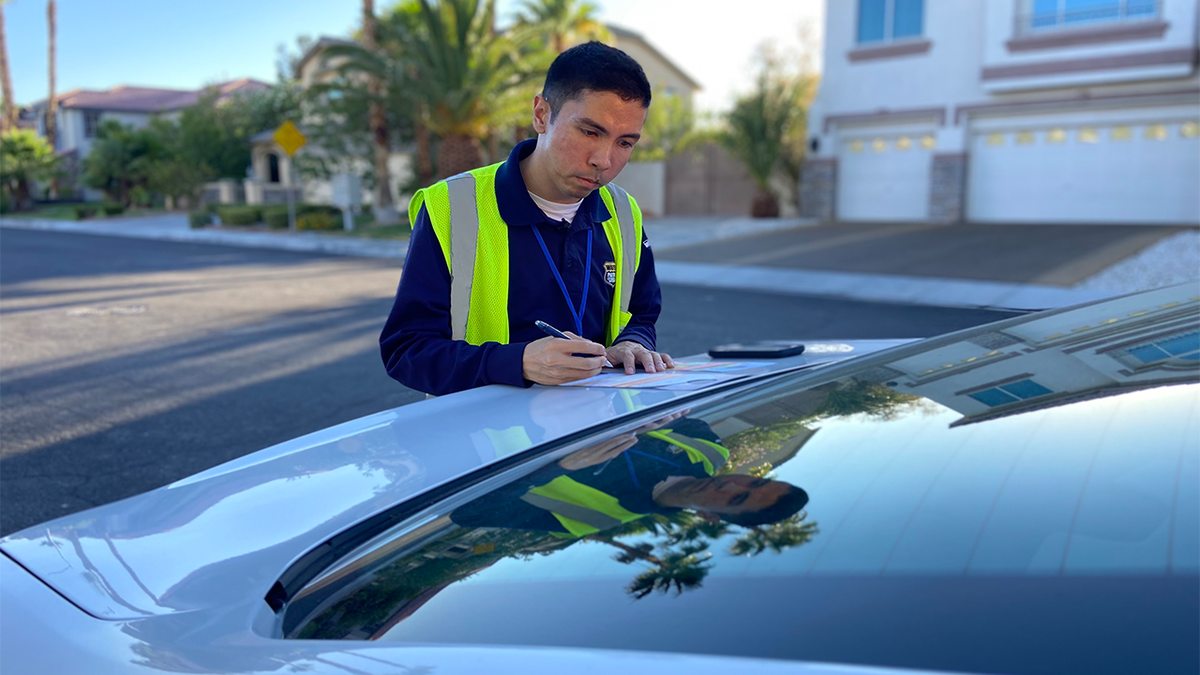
[89, 115]
[889, 27]
[1023, 21]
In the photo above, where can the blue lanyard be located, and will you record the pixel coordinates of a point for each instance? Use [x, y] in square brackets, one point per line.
[587, 269]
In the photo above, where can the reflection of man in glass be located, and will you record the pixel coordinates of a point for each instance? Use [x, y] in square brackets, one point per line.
[668, 465]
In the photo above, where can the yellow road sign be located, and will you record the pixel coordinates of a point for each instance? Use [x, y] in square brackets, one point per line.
[289, 137]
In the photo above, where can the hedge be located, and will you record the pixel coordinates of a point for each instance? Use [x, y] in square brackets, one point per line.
[84, 211]
[198, 219]
[275, 216]
[112, 208]
[319, 220]
[239, 215]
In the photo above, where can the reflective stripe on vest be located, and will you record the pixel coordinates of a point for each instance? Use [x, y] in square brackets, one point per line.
[698, 450]
[465, 217]
[581, 509]
[508, 441]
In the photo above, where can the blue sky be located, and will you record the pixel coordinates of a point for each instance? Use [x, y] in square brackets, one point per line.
[185, 45]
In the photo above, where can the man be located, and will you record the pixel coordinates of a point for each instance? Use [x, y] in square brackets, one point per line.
[540, 236]
[670, 465]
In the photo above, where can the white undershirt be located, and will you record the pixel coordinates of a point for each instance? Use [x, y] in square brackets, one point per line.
[556, 212]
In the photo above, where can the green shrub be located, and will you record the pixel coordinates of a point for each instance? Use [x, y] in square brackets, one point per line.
[275, 216]
[239, 215]
[318, 220]
[112, 208]
[84, 211]
[198, 219]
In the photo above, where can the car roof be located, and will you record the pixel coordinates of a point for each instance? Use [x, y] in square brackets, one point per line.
[220, 536]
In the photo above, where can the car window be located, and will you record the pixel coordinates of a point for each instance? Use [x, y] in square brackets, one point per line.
[874, 514]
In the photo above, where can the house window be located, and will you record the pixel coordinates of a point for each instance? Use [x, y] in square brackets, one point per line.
[91, 122]
[1183, 346]
[886, 20]
[1052, 14]
[1010, 393]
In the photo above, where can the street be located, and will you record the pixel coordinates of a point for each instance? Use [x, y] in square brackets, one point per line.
[127, 364]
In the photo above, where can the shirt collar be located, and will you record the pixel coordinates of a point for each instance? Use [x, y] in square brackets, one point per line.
[516, 207]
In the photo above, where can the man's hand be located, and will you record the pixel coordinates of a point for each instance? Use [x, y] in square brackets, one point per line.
[631, 353]
[550, 361]
[598, 453]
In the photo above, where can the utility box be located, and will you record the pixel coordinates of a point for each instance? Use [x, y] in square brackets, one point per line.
[347, 190]
[347, 196]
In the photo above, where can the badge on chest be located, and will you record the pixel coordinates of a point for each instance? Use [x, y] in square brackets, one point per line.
[610, 273]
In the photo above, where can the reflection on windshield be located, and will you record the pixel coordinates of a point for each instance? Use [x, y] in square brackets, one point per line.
[659, 500]
[1057, 446]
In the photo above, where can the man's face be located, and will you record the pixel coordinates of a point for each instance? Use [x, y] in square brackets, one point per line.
[734, 494]
[588, 142]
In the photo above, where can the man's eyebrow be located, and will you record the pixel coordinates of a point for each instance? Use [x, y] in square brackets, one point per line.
[592, 123]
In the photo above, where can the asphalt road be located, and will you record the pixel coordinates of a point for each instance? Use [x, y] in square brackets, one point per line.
[126, 364]
[1056, 255]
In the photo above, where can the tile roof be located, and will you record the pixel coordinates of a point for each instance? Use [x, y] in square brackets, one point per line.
[147, 99]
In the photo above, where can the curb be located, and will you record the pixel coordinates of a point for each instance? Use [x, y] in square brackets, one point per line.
[930, 291]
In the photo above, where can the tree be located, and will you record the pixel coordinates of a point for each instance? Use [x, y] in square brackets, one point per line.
[761, 129]
[682, 568]
[385, 213]
[52, 100]
[121, 161]
[24, 159]
[669, 129]
[8, 108]
[563, 22]
[467, 80]
[776, 537]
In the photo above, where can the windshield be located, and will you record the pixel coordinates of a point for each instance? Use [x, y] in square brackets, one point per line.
[991, 515]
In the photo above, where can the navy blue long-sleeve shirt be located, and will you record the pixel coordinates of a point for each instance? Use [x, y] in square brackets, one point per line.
[416, 343]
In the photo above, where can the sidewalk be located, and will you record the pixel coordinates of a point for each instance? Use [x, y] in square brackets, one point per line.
[1172, 260]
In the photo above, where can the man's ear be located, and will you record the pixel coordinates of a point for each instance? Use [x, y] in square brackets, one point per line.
[541, 114]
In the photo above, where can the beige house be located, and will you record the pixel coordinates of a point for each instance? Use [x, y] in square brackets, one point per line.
[272, 168]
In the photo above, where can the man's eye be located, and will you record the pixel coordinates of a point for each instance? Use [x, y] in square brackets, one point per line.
[589, 132]
[739, 499]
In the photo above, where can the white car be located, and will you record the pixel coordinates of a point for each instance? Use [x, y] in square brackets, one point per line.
[1022, 497]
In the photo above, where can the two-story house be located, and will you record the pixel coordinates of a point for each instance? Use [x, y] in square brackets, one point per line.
[80, 111]
[1007, 111]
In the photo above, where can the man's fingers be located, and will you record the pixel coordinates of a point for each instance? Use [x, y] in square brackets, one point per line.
[658, 361]
[647, 359]
[667, 360]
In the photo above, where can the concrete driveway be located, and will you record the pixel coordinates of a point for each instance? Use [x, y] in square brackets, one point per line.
[1049, 255]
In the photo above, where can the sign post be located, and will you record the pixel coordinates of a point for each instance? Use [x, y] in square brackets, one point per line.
[288, 137]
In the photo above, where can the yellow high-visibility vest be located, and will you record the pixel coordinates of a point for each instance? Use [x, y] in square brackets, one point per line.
[581, 509]
[700, 451]
[465, 215]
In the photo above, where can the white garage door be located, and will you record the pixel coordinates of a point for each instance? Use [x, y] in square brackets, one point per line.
[884, 177]
[1102, 173]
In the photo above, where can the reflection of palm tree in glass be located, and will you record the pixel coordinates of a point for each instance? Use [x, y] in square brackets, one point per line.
[678, 569]
[778, 537]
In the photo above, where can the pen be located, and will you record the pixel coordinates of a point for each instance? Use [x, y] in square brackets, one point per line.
[554, 332]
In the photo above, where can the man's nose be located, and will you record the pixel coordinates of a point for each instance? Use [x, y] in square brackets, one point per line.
[601, 160]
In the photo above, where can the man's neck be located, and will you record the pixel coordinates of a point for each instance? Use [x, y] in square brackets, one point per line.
[537, 179]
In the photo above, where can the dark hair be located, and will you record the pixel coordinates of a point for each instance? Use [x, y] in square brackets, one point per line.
[786, 506]
[594, 66]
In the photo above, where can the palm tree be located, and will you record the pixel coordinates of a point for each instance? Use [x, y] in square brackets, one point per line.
[777, 537]
[8, 109]
[760, 126]
[385, 213]
[469, 80]
[564, 22]
[52, 100]
[680, 569]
